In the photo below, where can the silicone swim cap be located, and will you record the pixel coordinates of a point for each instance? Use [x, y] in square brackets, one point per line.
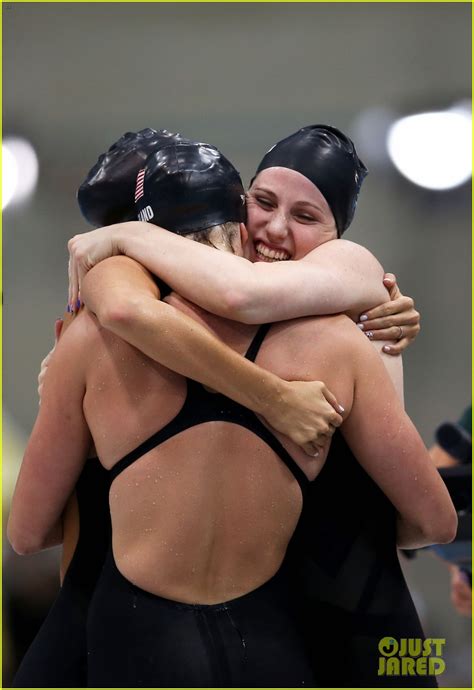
[106, 195]
[187, 187]
[328, 158]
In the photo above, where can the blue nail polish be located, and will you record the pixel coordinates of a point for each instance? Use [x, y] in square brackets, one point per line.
[78, 304]
[68, 309]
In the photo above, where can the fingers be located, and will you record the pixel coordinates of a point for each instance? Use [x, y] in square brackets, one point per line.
[389, 279]
[399, 305]
[390, 282]
[409, 319]
[395, 333]
[336, 419]
[398, 347]
[43, 368]
[58, 324]
[73, 292]
[312, 449]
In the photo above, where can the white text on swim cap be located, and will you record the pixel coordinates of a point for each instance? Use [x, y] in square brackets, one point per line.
[146, 214]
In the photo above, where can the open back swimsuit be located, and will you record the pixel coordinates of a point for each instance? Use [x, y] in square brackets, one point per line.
[139, 639]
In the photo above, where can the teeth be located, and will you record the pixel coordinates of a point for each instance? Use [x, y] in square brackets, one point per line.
[271, 254]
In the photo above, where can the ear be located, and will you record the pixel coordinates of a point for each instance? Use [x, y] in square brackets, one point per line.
[243, 234]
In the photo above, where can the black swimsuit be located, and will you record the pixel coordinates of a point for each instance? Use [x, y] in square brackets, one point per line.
[138, 639]
[350, 577]
[57, 656]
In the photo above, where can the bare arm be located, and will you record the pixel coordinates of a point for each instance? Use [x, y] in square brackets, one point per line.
[339, 276]
[124, 297]
[390, 449]
[55, 453]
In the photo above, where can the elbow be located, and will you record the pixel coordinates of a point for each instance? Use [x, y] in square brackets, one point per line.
[116, 316]
[449, 530]
[445, 530]
[238, 304]
[22, 542]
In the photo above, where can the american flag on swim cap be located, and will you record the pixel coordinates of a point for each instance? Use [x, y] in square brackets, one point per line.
[139, 188]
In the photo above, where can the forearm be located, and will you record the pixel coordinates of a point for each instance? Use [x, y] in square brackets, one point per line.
[342, 277]
[181, 344]
[222, 277]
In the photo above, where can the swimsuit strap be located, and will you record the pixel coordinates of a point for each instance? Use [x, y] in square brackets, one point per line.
[201, 406]
[257, 341]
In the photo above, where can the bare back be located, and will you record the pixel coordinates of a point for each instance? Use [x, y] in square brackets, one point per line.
[205, 516]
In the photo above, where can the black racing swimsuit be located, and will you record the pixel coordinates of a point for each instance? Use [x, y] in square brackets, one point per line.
[57, 657]
[349, 576]
[138, 639]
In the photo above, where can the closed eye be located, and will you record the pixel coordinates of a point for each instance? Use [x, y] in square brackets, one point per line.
[266, 203]
[305, 217]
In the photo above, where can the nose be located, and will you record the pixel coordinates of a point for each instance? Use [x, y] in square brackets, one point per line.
[277, 226]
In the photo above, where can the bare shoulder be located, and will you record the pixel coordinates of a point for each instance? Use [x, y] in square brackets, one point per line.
[119, 265]
[83, 331]
[330, 334]
[338, 331]
[347, 251]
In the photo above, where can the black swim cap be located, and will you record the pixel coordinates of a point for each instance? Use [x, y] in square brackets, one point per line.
[187, 187]
[328, 158]
[106, 195]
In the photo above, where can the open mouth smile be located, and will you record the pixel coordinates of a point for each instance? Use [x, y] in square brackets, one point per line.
[264, 253]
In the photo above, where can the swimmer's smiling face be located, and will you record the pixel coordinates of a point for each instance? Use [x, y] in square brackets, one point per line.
[287, 216]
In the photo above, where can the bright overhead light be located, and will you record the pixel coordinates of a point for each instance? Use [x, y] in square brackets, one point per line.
[9, 176]
[433, 150]
[20, 170]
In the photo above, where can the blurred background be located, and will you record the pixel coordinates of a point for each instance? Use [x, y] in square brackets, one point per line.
[242, 76]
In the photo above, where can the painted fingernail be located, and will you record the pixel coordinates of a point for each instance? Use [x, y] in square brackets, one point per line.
[361, 326]
[68, 308]
[78, 304]
[341, 409]
[386, 348]
[315, 455]
[363, 317]
[370, 335]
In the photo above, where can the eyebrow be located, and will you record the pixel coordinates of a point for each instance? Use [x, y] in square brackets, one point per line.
[266, 190]
[309, 203]
[263, 189]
